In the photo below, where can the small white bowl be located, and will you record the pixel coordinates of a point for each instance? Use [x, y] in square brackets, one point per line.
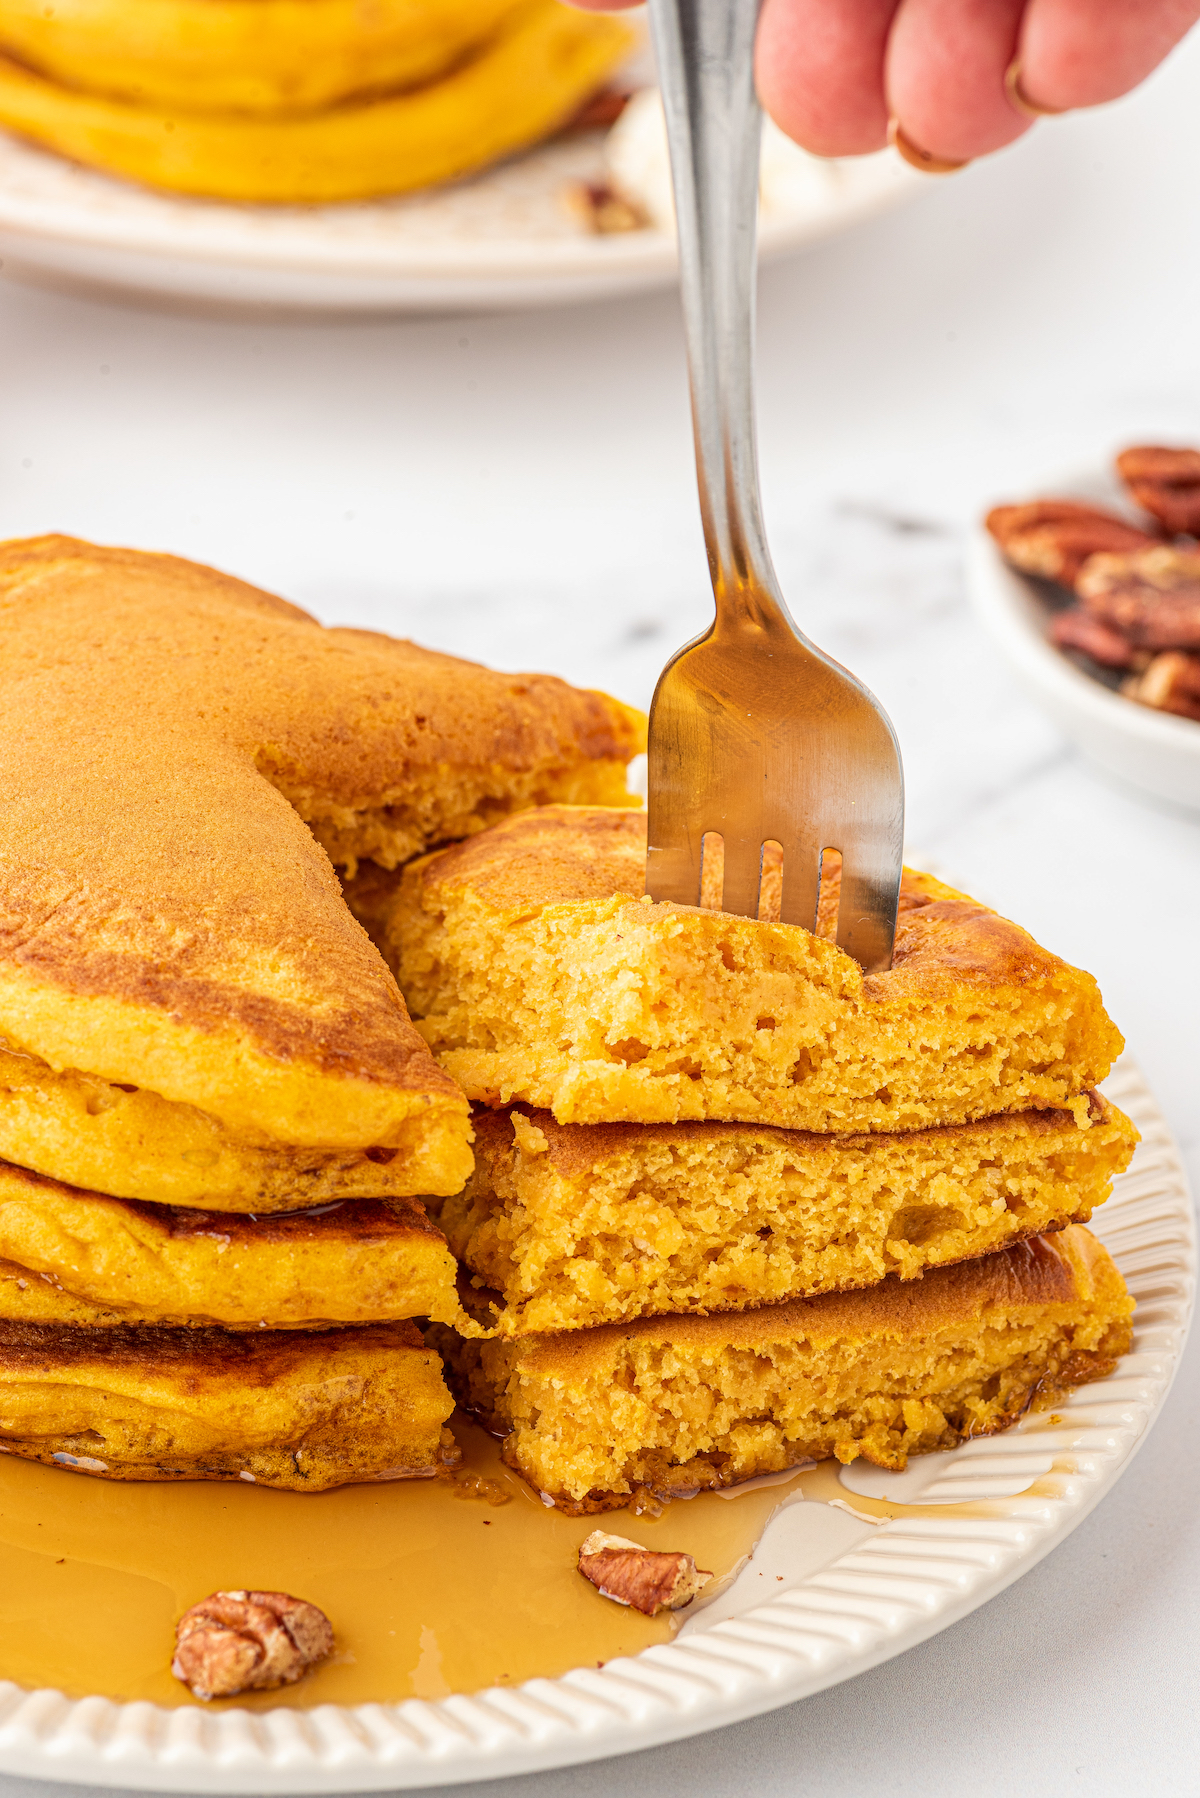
[1156, 751]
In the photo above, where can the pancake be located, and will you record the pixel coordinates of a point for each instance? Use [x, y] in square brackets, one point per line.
[299, 1410]
[576, 1225]
[108, 1136]
[82, 1258]
[539, 65]
[672, 1405]
[272, 57]
[538, 970]
[181, 757]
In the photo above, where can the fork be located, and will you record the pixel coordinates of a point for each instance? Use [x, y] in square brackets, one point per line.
[755, 734]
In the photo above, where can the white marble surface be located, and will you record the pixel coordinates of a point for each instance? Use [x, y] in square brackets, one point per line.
[520, 489]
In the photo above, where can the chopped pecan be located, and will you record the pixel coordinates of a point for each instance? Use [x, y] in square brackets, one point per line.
[644, 1578]
[600, 112]
[1054, 537]
[246, 1641]
[473, 1485]
[1152, 597]
[1077, 629]
[1170, 684]
[600, 209]
[1165, 483]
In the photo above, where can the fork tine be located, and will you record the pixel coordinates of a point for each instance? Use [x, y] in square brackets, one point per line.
[673, 868]
[801, 878]
[867, 914]
[743, 862]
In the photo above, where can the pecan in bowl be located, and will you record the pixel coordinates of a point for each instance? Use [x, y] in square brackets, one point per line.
[1091, 637]
[243, 1641]
[1053, 538]
[1151, 597]
[1171, 683]
[1137, 595]
[1165, 483]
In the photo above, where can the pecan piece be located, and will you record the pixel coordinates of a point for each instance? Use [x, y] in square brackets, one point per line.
[246, 1641]
[601, 112]
[1077, 629]
[1165, 483]
[600, 209]
[644, 1578]
[1170, 684]
[1054, 537]
[1152, 597]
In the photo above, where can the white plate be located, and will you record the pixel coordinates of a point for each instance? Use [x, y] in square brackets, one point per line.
[1153, 751]
[504, 239]
[853, 1594]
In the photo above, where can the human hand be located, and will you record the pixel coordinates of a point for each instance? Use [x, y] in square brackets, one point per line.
[960, 77]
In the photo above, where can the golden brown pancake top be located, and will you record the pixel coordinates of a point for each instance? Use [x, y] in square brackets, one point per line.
[166, 916]
[563, 853]
[248, 1358]
[575, 1150]
[344, 1220]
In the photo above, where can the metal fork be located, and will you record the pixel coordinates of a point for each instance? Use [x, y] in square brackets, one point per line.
[754, 732]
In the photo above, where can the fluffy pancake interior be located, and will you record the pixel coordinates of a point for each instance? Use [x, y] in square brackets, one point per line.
[902, 1368]
[538, 971]
[81, 1257]
[298, 1410]
[110, 1136]
[578, 1225]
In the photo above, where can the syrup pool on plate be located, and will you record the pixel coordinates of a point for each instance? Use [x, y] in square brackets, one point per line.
[429, 1590]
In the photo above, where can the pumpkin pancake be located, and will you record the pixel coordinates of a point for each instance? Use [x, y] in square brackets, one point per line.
[82, 1258]
[297, 1409]
[675, 1404]
[181, 756]
[575, 1225]
[538, 970]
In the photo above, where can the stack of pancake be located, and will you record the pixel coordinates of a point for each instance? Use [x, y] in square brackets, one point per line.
[732, 1204]
[214, 1111]
[294, 101]
[735, 1204]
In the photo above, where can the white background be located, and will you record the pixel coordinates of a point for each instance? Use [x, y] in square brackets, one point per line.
[519, 489]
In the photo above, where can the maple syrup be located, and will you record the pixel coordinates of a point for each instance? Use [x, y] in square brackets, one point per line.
[432, 1586]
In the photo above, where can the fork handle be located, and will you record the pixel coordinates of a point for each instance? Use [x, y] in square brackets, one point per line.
[705, 53]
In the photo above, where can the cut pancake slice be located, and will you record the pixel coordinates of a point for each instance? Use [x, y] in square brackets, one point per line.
[181, 757]
[575, 1225]
[82, 1258]
[676, 1404]
[302, 1411]
[116, 1138]
[538, 971]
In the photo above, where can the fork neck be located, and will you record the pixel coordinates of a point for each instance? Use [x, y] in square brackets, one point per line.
[705, 51]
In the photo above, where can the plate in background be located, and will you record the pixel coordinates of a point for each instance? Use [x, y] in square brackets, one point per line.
[844, 1602]
[504, 239]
